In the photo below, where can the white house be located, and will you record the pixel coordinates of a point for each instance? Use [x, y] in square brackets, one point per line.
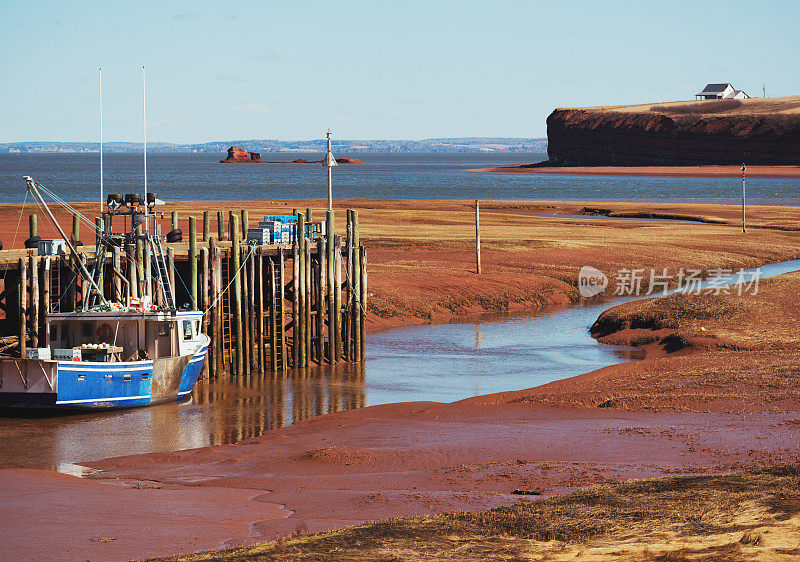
[721, 92]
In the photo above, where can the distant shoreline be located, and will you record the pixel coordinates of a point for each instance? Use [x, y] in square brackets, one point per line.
[654, 171]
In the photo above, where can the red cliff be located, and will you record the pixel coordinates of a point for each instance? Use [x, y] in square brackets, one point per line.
[756, 131]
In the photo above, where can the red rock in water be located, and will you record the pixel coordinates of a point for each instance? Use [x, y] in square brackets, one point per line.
[349, 161]
[304, 161]
[236, 154]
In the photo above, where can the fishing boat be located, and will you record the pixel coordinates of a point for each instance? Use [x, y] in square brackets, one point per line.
[112, 354]
[105, 354]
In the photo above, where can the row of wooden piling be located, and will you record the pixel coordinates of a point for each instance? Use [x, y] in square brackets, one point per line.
[268, 308]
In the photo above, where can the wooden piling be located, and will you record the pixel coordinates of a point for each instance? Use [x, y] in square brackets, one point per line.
[116, 283]
[246, 310]
[296, 304]
[203, 303]
[301, 282]
[280, 298]
[215, 307]
[33, 269]
[309, 220]
[245, 223]
[253, 327]
[193, 261]
[140, 260]
[23, 307]
[45, 309]
[329, 282]
[220, 225]
[357, 312]
[259, 275]
[321, 276]
[133, 277]
[237, 293]
[32, 225]
[347, 337]
[174, 219]
[76, 228]
[477, 237]
[363, 323]
[206, 225]
[171, 260]
[273, 317]
[308, 327]
[337, 297]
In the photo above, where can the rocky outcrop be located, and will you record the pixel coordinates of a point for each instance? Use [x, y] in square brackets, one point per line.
[760, 131]
[240, 155]
[236, 155]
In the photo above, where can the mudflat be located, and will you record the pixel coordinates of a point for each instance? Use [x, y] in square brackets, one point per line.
[716, 393]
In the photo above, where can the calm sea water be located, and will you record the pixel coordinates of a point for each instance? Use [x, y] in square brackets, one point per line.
[394, 176]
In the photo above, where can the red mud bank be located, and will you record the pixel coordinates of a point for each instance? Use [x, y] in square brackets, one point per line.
[360, 465]
[655, 171]
[238, 155]
[762, 131]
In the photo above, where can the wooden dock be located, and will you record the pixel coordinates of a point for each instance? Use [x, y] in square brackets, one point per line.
[268, 308]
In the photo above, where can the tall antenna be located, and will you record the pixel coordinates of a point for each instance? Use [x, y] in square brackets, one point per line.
[763, 90]
[100, 74]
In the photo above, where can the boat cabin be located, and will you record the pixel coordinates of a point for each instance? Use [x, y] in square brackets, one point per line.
[122, 336]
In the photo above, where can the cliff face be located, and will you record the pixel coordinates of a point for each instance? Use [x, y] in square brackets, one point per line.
[759, 131]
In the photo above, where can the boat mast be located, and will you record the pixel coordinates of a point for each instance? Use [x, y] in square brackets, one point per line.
[144, 147]
[32, 187]
[100, 73]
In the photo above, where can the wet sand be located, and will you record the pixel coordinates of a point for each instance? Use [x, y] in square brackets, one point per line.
[426, 457]
[653, 171]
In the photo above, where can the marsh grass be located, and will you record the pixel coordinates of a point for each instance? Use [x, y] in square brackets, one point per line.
[735, 516]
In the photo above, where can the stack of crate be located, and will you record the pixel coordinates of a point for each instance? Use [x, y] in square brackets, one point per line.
[274, 229]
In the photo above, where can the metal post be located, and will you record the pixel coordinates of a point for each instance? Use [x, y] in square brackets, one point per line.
[330, 161]
[744, 230]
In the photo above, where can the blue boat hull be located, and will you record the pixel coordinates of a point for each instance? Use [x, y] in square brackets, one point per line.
[87, 385]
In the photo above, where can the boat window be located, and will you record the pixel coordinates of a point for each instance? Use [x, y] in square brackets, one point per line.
[187, 330]
[197, 327]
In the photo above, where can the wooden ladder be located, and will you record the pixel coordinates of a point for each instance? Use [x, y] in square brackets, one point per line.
[227, 317]
[277, 326]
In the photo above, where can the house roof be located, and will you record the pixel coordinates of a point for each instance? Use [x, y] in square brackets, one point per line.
[714, 89]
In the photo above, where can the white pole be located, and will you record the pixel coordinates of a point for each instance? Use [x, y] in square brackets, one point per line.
[144, 146]
[330, 174]
[100, 73]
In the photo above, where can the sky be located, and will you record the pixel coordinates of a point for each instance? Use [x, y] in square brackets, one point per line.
[370, 69]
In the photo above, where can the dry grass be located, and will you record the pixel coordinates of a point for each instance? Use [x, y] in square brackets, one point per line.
[787, 105]
[748, 515]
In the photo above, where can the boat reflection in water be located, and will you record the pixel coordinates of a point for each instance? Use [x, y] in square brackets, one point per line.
[218, 412]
